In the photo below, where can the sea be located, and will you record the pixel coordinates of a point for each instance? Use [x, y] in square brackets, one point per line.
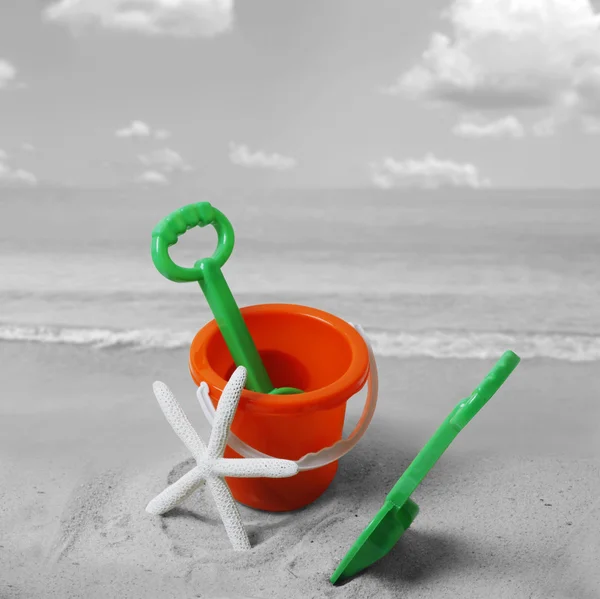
[446, 273]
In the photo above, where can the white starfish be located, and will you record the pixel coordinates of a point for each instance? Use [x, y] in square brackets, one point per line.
[211, 466]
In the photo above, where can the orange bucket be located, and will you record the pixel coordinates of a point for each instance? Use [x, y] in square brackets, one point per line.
[304, 348]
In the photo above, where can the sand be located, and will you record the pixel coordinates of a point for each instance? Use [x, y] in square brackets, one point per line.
[512, 510]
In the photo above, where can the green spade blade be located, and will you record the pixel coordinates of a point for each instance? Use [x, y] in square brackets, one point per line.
[378, 539]
[398, 510]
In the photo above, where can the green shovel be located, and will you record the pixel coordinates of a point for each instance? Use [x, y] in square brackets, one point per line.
[207, 272]
[399, 510]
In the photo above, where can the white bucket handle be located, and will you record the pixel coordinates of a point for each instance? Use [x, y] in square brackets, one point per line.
[326, 455]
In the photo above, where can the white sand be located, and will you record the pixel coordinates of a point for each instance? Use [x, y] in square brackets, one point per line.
[511, 510]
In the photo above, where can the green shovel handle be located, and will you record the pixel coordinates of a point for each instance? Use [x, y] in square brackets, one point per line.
[168, 231]
[460, 416]
[467, 409]
[207, 273]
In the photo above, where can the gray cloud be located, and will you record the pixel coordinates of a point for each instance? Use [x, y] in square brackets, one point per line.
[140, 129]
[429, 172]
[166, 160]
[153, 178]
[14, 176]
[509, 55]
[508, 126]
[8, 74]
[181, 18]
[241, 155]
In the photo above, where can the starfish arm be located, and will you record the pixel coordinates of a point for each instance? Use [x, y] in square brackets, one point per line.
[255, 468]
[225, 413]
[230, 514]
[178, 420]
[176, 493]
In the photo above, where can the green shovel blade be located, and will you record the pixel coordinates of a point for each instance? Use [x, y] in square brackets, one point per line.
[399, 511]
[378, 539]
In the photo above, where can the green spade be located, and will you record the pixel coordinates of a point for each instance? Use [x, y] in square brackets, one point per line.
[399, 510]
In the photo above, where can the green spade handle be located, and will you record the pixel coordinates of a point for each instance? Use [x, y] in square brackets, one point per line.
[460, 416]
[169, 229]
[207, 272]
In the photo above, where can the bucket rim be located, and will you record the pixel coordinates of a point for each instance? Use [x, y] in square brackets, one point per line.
[324, 398]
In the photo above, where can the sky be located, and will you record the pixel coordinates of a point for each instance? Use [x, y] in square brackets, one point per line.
[300, 94]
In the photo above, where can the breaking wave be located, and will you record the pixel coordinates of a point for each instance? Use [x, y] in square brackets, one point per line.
[432, 344]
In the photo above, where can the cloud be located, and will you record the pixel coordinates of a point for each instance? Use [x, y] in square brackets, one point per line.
[139, 129]
[430, 172]
[8, 74]
[178, 18]
[166, 160]
[135, 129]
[591, 125]
[14, 175]
[510, 55]
[162, 134]
[153, 177]
[27, 147]
[241, 155]
[545, 128]
[22, 176]
[508, 126]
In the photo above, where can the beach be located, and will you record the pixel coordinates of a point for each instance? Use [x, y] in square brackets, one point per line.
[443, 284]
[511, 510]
[421, 171]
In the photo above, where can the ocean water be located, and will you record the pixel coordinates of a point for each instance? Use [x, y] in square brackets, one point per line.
[463, 274]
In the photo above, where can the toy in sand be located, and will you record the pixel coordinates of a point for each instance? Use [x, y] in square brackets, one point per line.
[280, 450]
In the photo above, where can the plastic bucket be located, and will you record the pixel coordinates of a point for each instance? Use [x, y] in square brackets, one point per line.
[301, 347]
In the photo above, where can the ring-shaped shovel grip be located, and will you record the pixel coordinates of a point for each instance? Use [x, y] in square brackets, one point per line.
[169, 229]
